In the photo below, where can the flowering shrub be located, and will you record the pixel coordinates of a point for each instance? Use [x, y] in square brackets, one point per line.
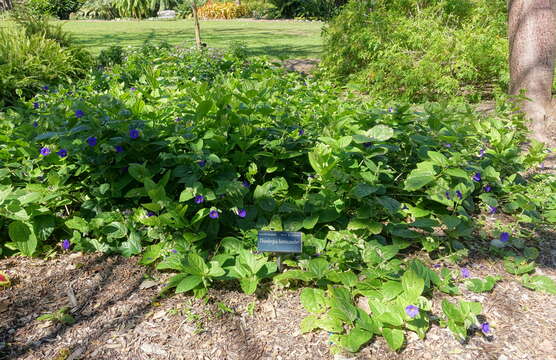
[181, 157]
[223, 10]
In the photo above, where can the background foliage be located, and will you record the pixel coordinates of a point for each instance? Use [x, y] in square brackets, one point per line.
[420, 50]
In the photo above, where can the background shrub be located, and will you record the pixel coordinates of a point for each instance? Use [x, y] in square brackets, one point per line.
[223, 10]
[59, 8]
[306, 9]
[419, 50]
[98, 9]
[36, 54]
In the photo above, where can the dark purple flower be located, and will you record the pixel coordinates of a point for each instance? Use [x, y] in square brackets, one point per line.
[92, 141]
[79, 114]
[202, 163]
[62, 153]
[36, 105]
[447, 195]
[119, 148]
[134, 133]
[35, 124]
[45, 88]
[448, 145]
[150, 213]
[465, 273]
[477, 177]
[199, 199]
[492, 209]
[246, 184]
[485, 327]
[214, 214]
[301, 132]
[390, 110]
[504, 237]
[481, 153]
[437, 266]
[367, 145]
[66, 244]
[132, 89]
[412, 311]
[45, 151]
[242, 213]
[178, 119]
[174, 251]
[488, 188]
[459, 194]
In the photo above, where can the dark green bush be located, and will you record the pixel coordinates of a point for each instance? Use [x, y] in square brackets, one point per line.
[419, 50]
[59, 8]
[98, 9]
[306, 9]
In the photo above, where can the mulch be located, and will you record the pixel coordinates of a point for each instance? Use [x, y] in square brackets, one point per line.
[119, 315]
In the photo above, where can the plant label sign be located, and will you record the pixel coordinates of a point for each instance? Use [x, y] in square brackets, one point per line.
[280, 241]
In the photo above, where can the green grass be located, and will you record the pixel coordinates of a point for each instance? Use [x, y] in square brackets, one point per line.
[278, 39]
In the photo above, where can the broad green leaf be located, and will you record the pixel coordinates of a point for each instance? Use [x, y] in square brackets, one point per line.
[249, 284]
[309, 324]
[310, 222]
[318, 267]
[78, 223]
[452, 311]
[394, 338]
[331, 324]
[313, 300]
[419, 178]
[413, 285]
[356, 338]
[380, 133]
[391, 318]
[539, 283]
[151, 254]
[188, 283]
[438, 158]
[23, 237]
[196, 265]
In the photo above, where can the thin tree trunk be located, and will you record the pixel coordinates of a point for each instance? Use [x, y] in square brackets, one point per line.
[532, 35]
[197, 26]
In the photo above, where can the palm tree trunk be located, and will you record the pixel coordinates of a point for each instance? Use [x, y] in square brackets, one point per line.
[197, 26]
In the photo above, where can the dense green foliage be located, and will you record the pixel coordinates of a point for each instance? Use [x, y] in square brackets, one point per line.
[420, 50]
[306, 9]
[34, 54]
[59, 8]
[183, 156]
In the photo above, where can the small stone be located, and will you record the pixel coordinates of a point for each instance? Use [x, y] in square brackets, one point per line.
[148, 284]
[153, 349]
[342, 357]
[166, 14]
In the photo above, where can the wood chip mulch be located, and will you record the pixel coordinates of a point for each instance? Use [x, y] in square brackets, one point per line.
[119, 316]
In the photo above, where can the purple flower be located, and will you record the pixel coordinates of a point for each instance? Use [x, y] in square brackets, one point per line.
[150, 213]
[202, 163]
[45, 151]
[301, 132]
[448, 145]
[174, 251]
[45, 88]
[492, 209]
[488, 188]
[481, 153]
[390, 110]
[412, 311]
[485, 327]
[541, 166]
[214, 214]
[437, 266]
[132, 89]
[504, 237]
[134, 133]
[477, 177]
[246, 184]
[92, 141]
[367, 145]
[447, 195]
[62, 153]
[178, 119]
[79, 114]
[35, 124]
[119, 148]
[242, 213]
[66, 244]
[36, 105]
[199, 199]
[459, 194]
[465, 273]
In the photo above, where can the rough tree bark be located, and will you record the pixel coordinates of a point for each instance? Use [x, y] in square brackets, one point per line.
[532, 35]
[197, 26]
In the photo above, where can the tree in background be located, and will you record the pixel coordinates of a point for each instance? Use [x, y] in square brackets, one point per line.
[195, 4]
[532, 35]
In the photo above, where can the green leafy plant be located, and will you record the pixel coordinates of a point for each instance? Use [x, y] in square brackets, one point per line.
[460, 317]
[60, 316]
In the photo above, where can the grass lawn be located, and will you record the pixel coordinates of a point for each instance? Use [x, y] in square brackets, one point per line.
[278, 39]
